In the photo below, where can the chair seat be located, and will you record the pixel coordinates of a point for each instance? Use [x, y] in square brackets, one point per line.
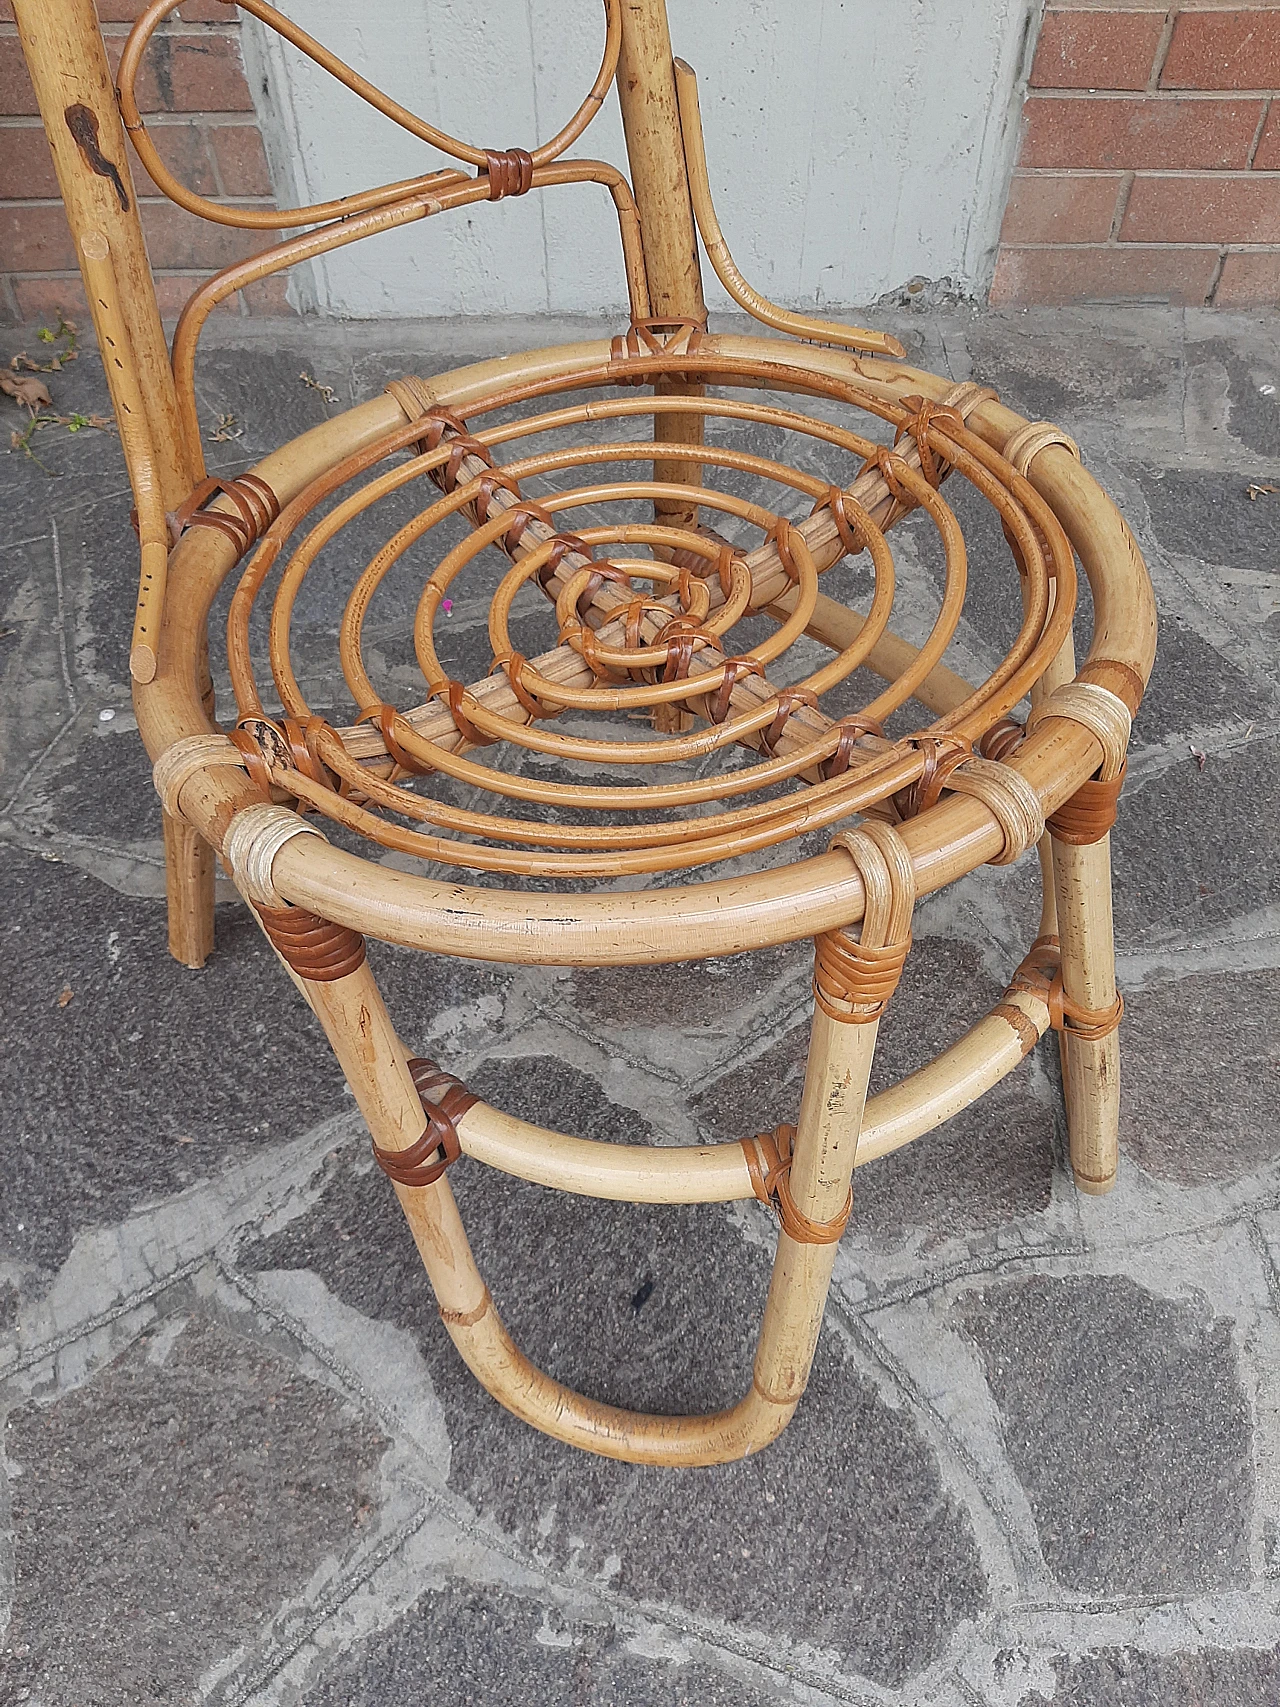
[666, 709]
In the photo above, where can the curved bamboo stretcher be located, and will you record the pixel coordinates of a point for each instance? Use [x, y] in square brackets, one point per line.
[645, 665]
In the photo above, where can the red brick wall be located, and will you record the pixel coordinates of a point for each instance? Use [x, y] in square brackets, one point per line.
[200, 115]
[1150, 157]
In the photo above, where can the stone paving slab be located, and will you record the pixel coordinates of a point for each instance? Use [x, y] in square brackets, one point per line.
[1039, 1461]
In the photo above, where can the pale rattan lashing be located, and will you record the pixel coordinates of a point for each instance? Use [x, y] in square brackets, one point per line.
[670, 723]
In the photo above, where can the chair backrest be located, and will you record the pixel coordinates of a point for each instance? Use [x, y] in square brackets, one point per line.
[661, 208]
[86, 116]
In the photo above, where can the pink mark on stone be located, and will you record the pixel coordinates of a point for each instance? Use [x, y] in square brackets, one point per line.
[446, 605]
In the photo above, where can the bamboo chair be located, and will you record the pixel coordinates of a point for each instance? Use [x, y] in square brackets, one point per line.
[645, 607]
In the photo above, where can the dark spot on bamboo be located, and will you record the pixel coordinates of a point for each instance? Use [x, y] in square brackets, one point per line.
[82, 122]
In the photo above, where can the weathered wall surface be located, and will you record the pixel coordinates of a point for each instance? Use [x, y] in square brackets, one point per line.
[853, 144]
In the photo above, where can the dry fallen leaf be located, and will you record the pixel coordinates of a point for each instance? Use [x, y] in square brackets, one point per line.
[1200, 758]
[1256, 491]
[26, 388]
[65, 995]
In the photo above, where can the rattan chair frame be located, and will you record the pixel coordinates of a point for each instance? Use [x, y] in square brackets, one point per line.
[911, 815]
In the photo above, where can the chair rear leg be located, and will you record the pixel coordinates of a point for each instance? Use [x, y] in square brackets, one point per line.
[189, 879]
[1090, 1067]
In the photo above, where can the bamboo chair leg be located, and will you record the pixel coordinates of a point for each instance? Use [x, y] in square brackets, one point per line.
[1090, 1069]
[189, 879]
[810, 1180]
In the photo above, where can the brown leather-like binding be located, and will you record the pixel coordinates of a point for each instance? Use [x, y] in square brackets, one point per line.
[679, 637]
[512, 666]
[942, 754]
[562, 544]
[838, 501]
[1090, 813]
[768, 1157]
[718, 703]
[255, 763]
[445, 1100]
[1002, 739]
[788, 701]
[510, 172]
[852, 729]
[315, 948]
[780, 532]
[521, 515]
[1040, 974]
[256, 508]
[453, 692]
[385, 717]
[654, 337]
[933, 462]
[851, 983]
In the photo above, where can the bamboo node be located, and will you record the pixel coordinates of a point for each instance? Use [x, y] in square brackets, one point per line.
[186, 758]
[254, 837]
[1009, 797]
[445, 1099]
[1040, 975]
[1025, 443]
[768, 1157]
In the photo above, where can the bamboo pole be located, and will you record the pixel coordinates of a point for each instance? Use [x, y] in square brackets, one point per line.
[1090, 1067]
[68, 66]
[651, 124]
[72, 80]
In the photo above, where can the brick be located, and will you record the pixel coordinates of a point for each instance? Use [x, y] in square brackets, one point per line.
[205, 74]
[1096, 50]
[173, 290]
[26, 164]
[190, 74]
[1126, 274]
[1151, 133]
[268, 297]
[43, 298]
[190, 12]
[1203, 210]
[1267, 159]
[183, 148]
[241, 158]
[1052, 207]
[35, 238]
[177, 240]
[17, 97]
[1249, 280]
[1224, 50]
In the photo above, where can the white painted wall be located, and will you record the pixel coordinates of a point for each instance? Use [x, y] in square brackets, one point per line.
[853, 144]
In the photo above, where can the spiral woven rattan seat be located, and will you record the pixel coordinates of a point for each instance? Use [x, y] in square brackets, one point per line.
[706, 718]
